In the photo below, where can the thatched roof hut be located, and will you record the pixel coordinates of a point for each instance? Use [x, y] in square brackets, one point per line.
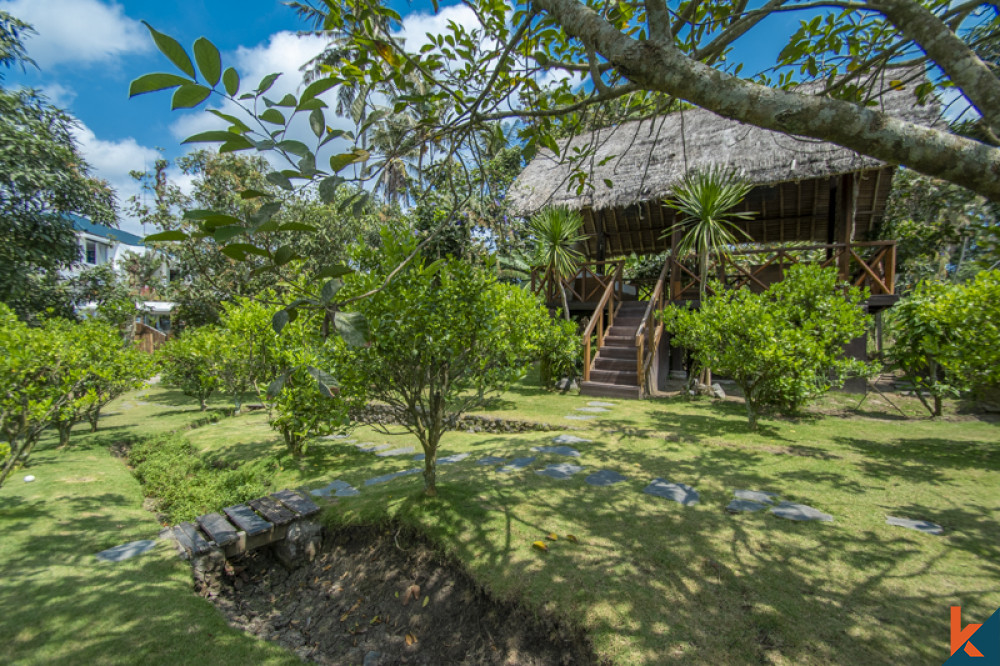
[634, 166]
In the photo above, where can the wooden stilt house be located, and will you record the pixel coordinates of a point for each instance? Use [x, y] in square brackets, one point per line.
[813, 202]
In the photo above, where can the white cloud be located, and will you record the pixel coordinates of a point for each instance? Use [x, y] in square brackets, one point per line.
[112, 161]
[416, 25]
[78, 31]
[58, 95]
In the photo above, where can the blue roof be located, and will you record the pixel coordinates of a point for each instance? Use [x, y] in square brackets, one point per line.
[85, 225]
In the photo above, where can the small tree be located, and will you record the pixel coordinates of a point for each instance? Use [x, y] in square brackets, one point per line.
[443, 337]
[190, 362]
[782, 347]
[557, 232]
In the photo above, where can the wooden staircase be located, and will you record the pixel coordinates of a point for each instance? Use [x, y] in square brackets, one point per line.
[613, 371]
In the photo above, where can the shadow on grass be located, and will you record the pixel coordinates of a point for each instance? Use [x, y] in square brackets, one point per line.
[922, 459]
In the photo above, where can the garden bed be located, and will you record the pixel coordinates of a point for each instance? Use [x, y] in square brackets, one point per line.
[376, 596]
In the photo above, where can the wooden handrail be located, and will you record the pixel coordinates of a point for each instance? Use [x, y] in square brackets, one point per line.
[644, 350]
[597, 320]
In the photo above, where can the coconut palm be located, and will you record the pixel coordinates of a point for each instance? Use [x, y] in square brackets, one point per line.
[556, 232]
[704, 201]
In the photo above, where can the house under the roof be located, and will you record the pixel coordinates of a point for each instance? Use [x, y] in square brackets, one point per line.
[813, 201]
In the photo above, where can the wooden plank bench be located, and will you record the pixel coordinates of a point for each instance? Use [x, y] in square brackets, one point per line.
[244, 527]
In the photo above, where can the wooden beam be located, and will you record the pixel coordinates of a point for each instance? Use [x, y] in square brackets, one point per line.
[845, 221]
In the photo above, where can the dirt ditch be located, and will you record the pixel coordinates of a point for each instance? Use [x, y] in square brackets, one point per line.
[374, 597]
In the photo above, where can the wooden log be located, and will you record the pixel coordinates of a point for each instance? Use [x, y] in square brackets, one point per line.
[303, 506]
[218, 529]
[248, 521]
[272, 511]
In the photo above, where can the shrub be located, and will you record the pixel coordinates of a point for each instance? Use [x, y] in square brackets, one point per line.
[185, 485]
[191, 363]
[782, 347]
[561, 351]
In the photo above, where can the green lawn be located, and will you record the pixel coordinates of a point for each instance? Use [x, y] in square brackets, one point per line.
[650, 580]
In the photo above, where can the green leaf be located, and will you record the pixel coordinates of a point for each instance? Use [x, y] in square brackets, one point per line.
[288, 100]
[188, 96]
[152, 82]
[175, 235]
[208, 59]
[235, 252]
[212, 136]
[316, 88]
[328, 188]
[317, 122]
[266, 212]
[283, 255]
[353, 328]
[339, 162]
[198, 214]
[330, 290]
[172, 49]
[294, 147]
[223, 234]
[279, 320]
[238, 143]
[274, 388]
[325, 381]
[296, 226]
[337, 270]
[267, 82]
[279, 179]
[273, 116]
[253, 194]
[231, 79]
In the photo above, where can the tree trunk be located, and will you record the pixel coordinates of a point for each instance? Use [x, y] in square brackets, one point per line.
[562, 290]
[203, 404]
[64, 428]
[430, 470]
[94, 416]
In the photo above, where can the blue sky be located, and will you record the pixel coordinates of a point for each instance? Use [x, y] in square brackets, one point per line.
[89, 50]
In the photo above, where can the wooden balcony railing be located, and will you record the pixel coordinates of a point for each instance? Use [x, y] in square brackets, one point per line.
[587, 286]
[863, 264]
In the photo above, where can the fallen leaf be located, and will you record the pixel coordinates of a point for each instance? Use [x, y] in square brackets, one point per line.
[552, 536]
[570, 537]
[540, 545]
[412, 592]
[374, 620]
[427, 600]
[410, 639]
[343, 618]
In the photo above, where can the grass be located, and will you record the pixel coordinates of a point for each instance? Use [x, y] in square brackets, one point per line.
[650, 580]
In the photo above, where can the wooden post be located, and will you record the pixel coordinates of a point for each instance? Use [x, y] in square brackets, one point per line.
[675, 272]
[846, 205]
[890, 269]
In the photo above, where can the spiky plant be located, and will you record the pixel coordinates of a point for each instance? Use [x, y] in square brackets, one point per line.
[556, 232]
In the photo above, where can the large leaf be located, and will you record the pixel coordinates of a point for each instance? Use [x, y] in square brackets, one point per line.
[213, 136]
[209, 61]
[294, 147]
[172, 49]
[279, 320]
[296, 226]
[223, 234]
[273, 116]
[279, 179]
[326, 383]
[267, 82]
[330, 290]
[189, 96]
[316, 88]
[174, 235]
[338, 162]
[152, 82]
[353, 328]
[337, 270]
[317, 122]
[328, 188]
[231, 79]
[274, 388]
[283, 255]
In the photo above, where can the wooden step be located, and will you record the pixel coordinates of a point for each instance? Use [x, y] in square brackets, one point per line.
[602, 390]
[615, 364]
[617, 331]
[619, 341]
[628, 321]
[626, 353]
[619, 377]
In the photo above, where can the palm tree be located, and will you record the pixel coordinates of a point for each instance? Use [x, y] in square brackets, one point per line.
[557, 232]
[704, 201]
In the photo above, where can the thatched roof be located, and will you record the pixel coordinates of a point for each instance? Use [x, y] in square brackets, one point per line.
[643, 160]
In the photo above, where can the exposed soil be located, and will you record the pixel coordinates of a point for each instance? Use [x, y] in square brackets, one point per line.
[371, 591]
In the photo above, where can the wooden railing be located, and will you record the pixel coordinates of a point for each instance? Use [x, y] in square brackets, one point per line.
[864, 264]
[589, 283]
[609, 303]
[647, 336]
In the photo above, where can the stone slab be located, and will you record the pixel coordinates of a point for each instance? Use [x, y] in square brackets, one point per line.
[756, 496]
[371, 447]
[560, 470]
[297, 502]
[341, 438]
[557, 450]
[744, 506]
[598, 403]
[247, 519]
[677, 492]
[453, 458]
[924, 526]
[605, 477]
[336, 489]
[217, 528]
[126, 550]
[491, 460]
[401, 451]
[569, 439]
[394, 475]
[792, 511]
[593, 410]
[580, 417]
[517, 463]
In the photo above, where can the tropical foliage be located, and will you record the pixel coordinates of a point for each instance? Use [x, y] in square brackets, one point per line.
[556, 234]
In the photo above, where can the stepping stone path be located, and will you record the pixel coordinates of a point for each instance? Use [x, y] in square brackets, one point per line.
[458, 457]
[394, 475]
[491, 460]
[605, 477]
[580, 417]
[792, 511]
[343, 438]
[677, 492]
[371, 447]
[557, 450]
[516, 464]
[126, 550]
[750, 500]
[560, 470]
[395, 452]
[924, 526]
[742, 505]
[593, 410]
[336, 489]
[598, 403]
[569, 439]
